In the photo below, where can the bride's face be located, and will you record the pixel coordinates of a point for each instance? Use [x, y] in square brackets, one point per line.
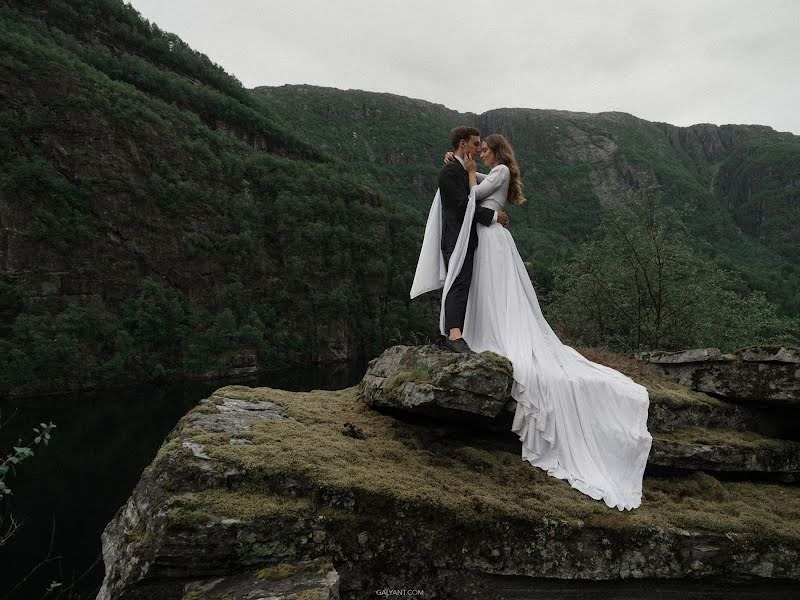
[487, 155]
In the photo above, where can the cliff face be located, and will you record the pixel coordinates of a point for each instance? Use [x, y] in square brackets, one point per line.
[390, 486]
[760, 185]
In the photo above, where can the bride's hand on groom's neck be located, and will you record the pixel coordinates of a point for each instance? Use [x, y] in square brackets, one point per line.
[472, 168]
[470, 164]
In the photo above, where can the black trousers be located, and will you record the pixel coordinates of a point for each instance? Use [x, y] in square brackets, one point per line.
[455, 304]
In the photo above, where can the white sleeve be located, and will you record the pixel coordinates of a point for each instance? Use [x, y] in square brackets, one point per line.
[492, 182]
[480, 176]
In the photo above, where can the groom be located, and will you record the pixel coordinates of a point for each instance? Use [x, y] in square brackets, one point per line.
[454, 191]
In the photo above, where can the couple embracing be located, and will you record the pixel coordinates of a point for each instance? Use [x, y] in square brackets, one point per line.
[578, 420]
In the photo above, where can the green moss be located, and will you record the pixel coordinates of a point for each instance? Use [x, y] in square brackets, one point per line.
[207, 409]
[211, 439]
[139, 535]
[726, 437]
[238, 392]
[473, 482]
[313, 594]
[189, 519]
[421, 371]
[418, 372]
[251, 501]
[395, 381]
[168, 447]
[276, 572]
[501, 363]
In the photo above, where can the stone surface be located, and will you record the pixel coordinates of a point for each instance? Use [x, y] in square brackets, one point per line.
[307, 580]
[321, 476]
[778, 354]
[431, 381]
[705, 411]
[706, 449]
[761, 374]
[683, 356]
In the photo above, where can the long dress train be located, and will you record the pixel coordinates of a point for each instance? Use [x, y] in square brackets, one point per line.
[578, 420]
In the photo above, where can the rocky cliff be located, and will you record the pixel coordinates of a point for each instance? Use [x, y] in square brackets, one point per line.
[409, 481]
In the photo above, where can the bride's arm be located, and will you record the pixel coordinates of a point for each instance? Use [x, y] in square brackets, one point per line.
[491, 182]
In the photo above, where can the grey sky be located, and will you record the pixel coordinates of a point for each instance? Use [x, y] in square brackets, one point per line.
[681, 61]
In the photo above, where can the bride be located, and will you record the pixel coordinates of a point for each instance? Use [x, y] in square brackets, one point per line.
[578, 420]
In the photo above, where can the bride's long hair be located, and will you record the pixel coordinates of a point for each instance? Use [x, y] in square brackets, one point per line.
[504, 154]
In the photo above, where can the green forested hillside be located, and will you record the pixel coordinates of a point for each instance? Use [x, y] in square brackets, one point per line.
[156, 218]
[159, 220]
[737, 187]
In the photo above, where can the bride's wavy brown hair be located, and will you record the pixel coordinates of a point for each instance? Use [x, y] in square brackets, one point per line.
[504, 154]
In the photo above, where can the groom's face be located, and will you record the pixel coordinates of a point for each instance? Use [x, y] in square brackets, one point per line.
[473, 146]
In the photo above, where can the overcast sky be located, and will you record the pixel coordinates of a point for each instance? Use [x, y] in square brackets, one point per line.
[679, 61]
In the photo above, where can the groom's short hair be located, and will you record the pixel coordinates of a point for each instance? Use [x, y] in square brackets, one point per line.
[462, 133]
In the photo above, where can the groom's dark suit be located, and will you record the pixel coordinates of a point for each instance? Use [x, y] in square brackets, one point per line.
[454, 193]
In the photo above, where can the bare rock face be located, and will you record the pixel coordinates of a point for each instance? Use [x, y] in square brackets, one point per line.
[712, 450]
[431, 381]
[742, 415]
[763, 374]
[311, 579]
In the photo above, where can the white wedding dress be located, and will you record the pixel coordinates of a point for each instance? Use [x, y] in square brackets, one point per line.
[578, 420]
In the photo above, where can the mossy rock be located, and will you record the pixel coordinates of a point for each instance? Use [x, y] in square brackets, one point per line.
[303, 487]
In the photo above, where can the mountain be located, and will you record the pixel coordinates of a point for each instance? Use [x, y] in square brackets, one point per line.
[158, 220]
[737, 186]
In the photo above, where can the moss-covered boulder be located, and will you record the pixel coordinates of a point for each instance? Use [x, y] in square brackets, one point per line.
[396, 505]
[429, 380]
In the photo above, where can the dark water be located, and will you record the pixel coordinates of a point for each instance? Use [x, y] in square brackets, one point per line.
[67, 492]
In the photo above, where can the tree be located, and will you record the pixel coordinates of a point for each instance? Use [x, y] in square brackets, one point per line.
[638, 284]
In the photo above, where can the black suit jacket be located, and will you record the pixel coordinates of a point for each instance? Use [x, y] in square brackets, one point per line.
[454, 192]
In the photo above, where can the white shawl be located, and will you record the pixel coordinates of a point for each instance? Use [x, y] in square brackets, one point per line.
[431, 273]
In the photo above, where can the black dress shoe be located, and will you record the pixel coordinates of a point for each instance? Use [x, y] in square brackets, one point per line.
[459, 345]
